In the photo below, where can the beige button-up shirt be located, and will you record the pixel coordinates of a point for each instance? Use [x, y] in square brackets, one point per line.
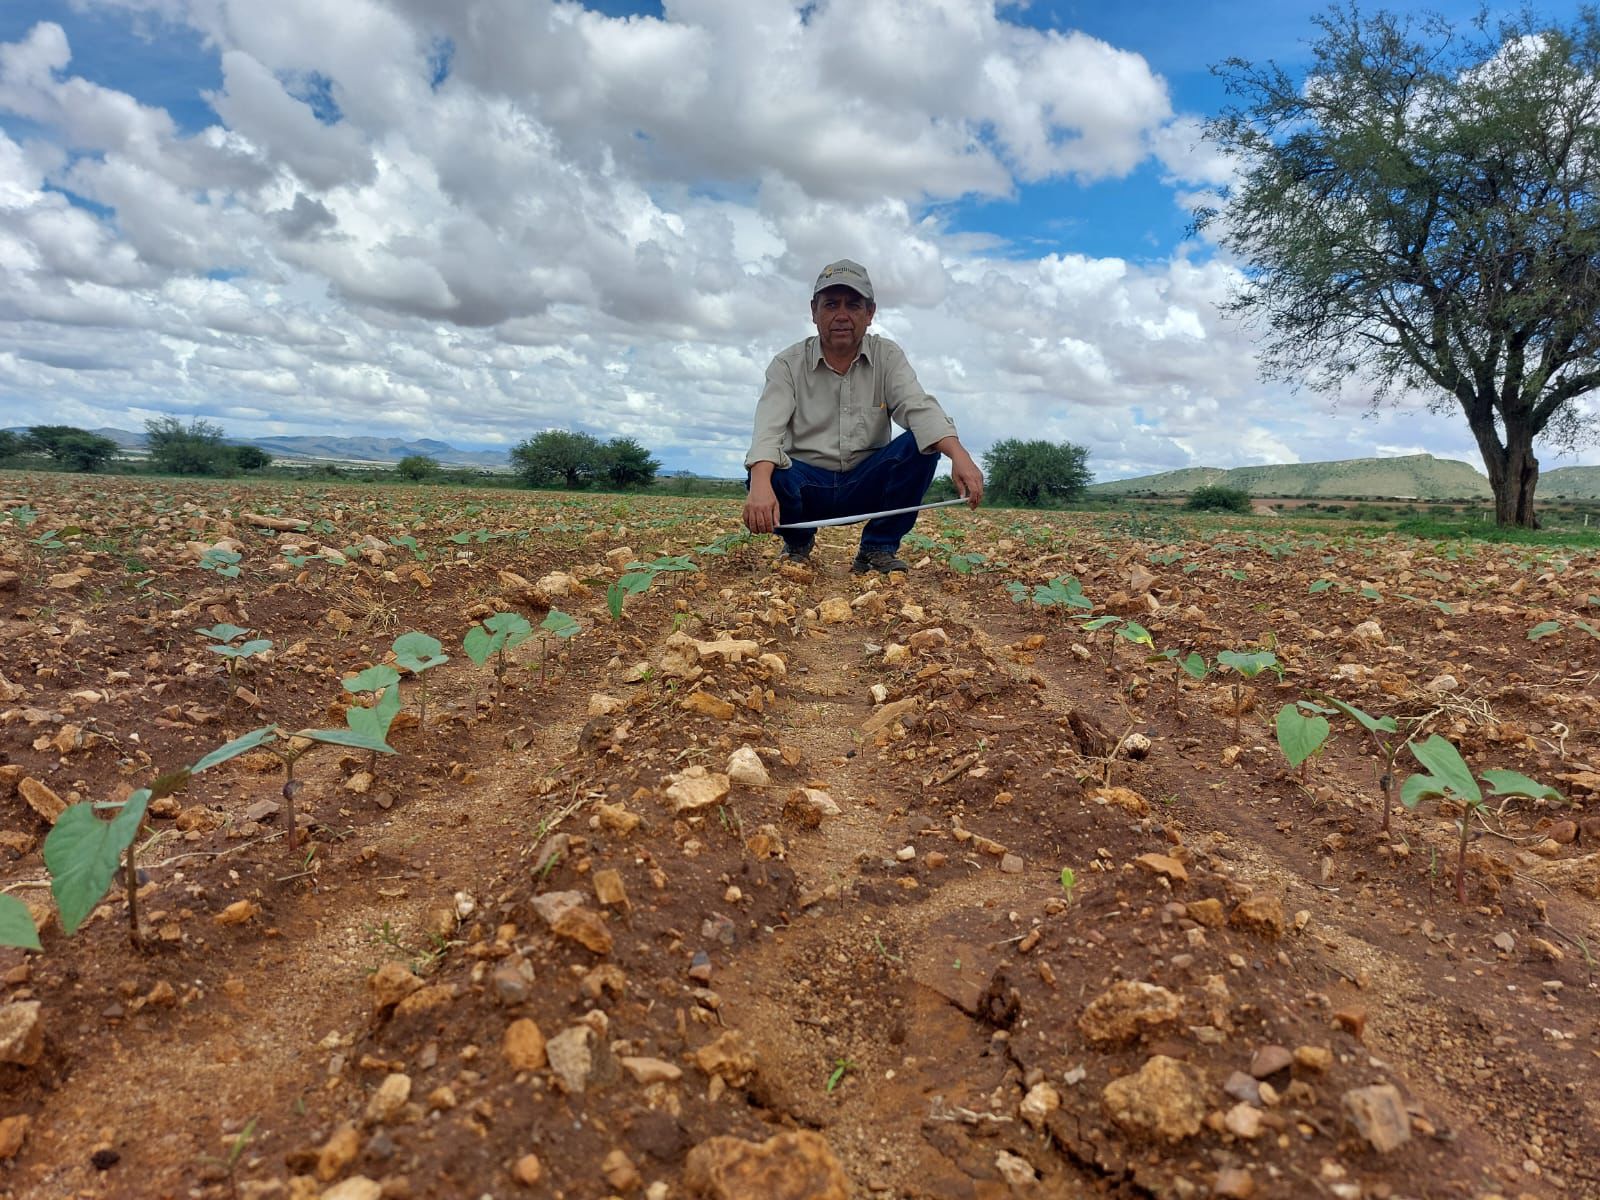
[835, 421]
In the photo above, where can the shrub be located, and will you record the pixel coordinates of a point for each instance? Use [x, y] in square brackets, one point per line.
[1217, 498]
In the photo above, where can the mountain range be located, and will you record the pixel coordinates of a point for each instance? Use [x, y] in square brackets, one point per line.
[1409, 477]
[341, 449]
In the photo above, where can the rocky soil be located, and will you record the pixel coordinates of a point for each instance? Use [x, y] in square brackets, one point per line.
[787, 883]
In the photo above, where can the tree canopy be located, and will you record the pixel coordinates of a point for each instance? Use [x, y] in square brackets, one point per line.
[1035, 474]
[1421, 211]
[560, 458]
[72, 448]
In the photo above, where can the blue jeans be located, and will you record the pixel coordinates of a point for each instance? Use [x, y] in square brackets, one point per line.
[896, 476]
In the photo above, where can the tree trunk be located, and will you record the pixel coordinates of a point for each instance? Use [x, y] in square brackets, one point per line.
[1513, 469]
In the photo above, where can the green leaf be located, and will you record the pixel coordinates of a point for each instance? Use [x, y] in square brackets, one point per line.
[244, 650]
[1445, 764]
[1248, 665]
[1300, 736]
[1372, 593]
[480, 644]
[1385, 724]
[1511, 783]
[514, 626]
[634, 582]
[1587, 628]
[82, 853]
[417, 652]
[16, 925]
[360, 740]
[615, 595]
[373, 679]
[559, 624]
[1195, 665]
[223, 632]
[1136, 633]
[374, 722]
[1543, 630]
[1320, 585]
[239, 745]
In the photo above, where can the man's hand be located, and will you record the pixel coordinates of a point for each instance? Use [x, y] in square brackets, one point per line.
[761, 505]
[964, 473]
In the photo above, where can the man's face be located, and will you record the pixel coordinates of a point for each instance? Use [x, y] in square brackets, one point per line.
[842, 315]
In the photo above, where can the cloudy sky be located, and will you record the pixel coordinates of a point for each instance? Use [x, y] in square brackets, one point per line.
[477, 219]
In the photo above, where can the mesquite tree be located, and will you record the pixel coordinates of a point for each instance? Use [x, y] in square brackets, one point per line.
[1422, 210]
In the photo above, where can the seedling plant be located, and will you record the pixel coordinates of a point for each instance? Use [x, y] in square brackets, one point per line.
[419, 654]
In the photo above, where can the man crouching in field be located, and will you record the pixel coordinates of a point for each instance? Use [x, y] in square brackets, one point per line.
[822, 447]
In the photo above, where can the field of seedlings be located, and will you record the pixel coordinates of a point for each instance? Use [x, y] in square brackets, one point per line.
[365, 842]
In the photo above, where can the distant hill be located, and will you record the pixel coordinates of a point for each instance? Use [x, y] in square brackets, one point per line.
[339, 449]
[1570, 483]
[1412, 476]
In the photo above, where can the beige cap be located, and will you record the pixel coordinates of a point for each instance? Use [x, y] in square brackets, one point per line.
[845, 273]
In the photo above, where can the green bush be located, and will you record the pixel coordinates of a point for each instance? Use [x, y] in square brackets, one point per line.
[1217, 498]
[1035, 474]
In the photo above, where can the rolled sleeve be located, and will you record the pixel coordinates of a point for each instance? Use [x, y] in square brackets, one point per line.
[774, 417]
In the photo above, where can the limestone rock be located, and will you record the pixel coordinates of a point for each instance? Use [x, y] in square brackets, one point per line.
[1125, 1010]
[887, 715]
[708, 705]
[390, 1098]
[728, 1057]
[552, 906]
[571, 1057]
[1163, 1100]
[835, 610]
[1042, 1100]
[601, 705]
[21, 1033]
[1379, 1115]
[790, 1166]
[1165, 865]
[1259, 914]
[357, 1187]
[925, 640]
[338, 1152]
[746, 768]
[652, 1070]
[392, 983]
[695, 788]
[41, 799]
[586, 927]
[1128, 800]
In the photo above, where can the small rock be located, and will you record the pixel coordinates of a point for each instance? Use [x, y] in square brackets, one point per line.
[238, 913]
[571, 1057]
[1243, 1087]
[1161, 864]
[746, 769]
[338, 1152]
[1313, 1058]
[586, 927]
[835, 610]
[389, 1099]
[798, 1165]
[41, 799]
[1128, 800]
[652, 1070]
[1010, 864]
[601, 705]
[1125, 1010]
[512, 981]
[617, 819]
[1259, 914]
[928, 639]
[1207, 912]
[392, 983]
[13, 1132]
[1136, 747]
[1505, 943]
[708, 705]
[524, 1046]
[608, 888]
[619, 1171]
[727, 1057]
[696, 788]
[1379, 1115]
[528, 1170]
[1368, 631]
[1267, 1061]
[1163, 1100]
[815, 801]
[21, 1033]
[1243, 1121]
[1234, 1183]
[1014, 1169]
[1352, 1020]
[357, 1187]
[552, 906]
[1041, 1100]
[1441, 683]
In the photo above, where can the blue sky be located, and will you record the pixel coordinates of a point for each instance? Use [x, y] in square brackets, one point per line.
[289, 219]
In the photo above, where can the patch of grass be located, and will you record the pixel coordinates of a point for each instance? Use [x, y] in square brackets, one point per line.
[1429, 528]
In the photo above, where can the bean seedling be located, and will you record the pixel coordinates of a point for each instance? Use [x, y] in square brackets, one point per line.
[1450, 777]
[419, 654]
[1388, 748]
[1301, 735]
[1248, 666]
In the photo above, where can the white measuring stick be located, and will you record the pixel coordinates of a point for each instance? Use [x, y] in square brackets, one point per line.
[893, 512]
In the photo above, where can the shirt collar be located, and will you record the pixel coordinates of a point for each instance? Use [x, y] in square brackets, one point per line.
[818, 361]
